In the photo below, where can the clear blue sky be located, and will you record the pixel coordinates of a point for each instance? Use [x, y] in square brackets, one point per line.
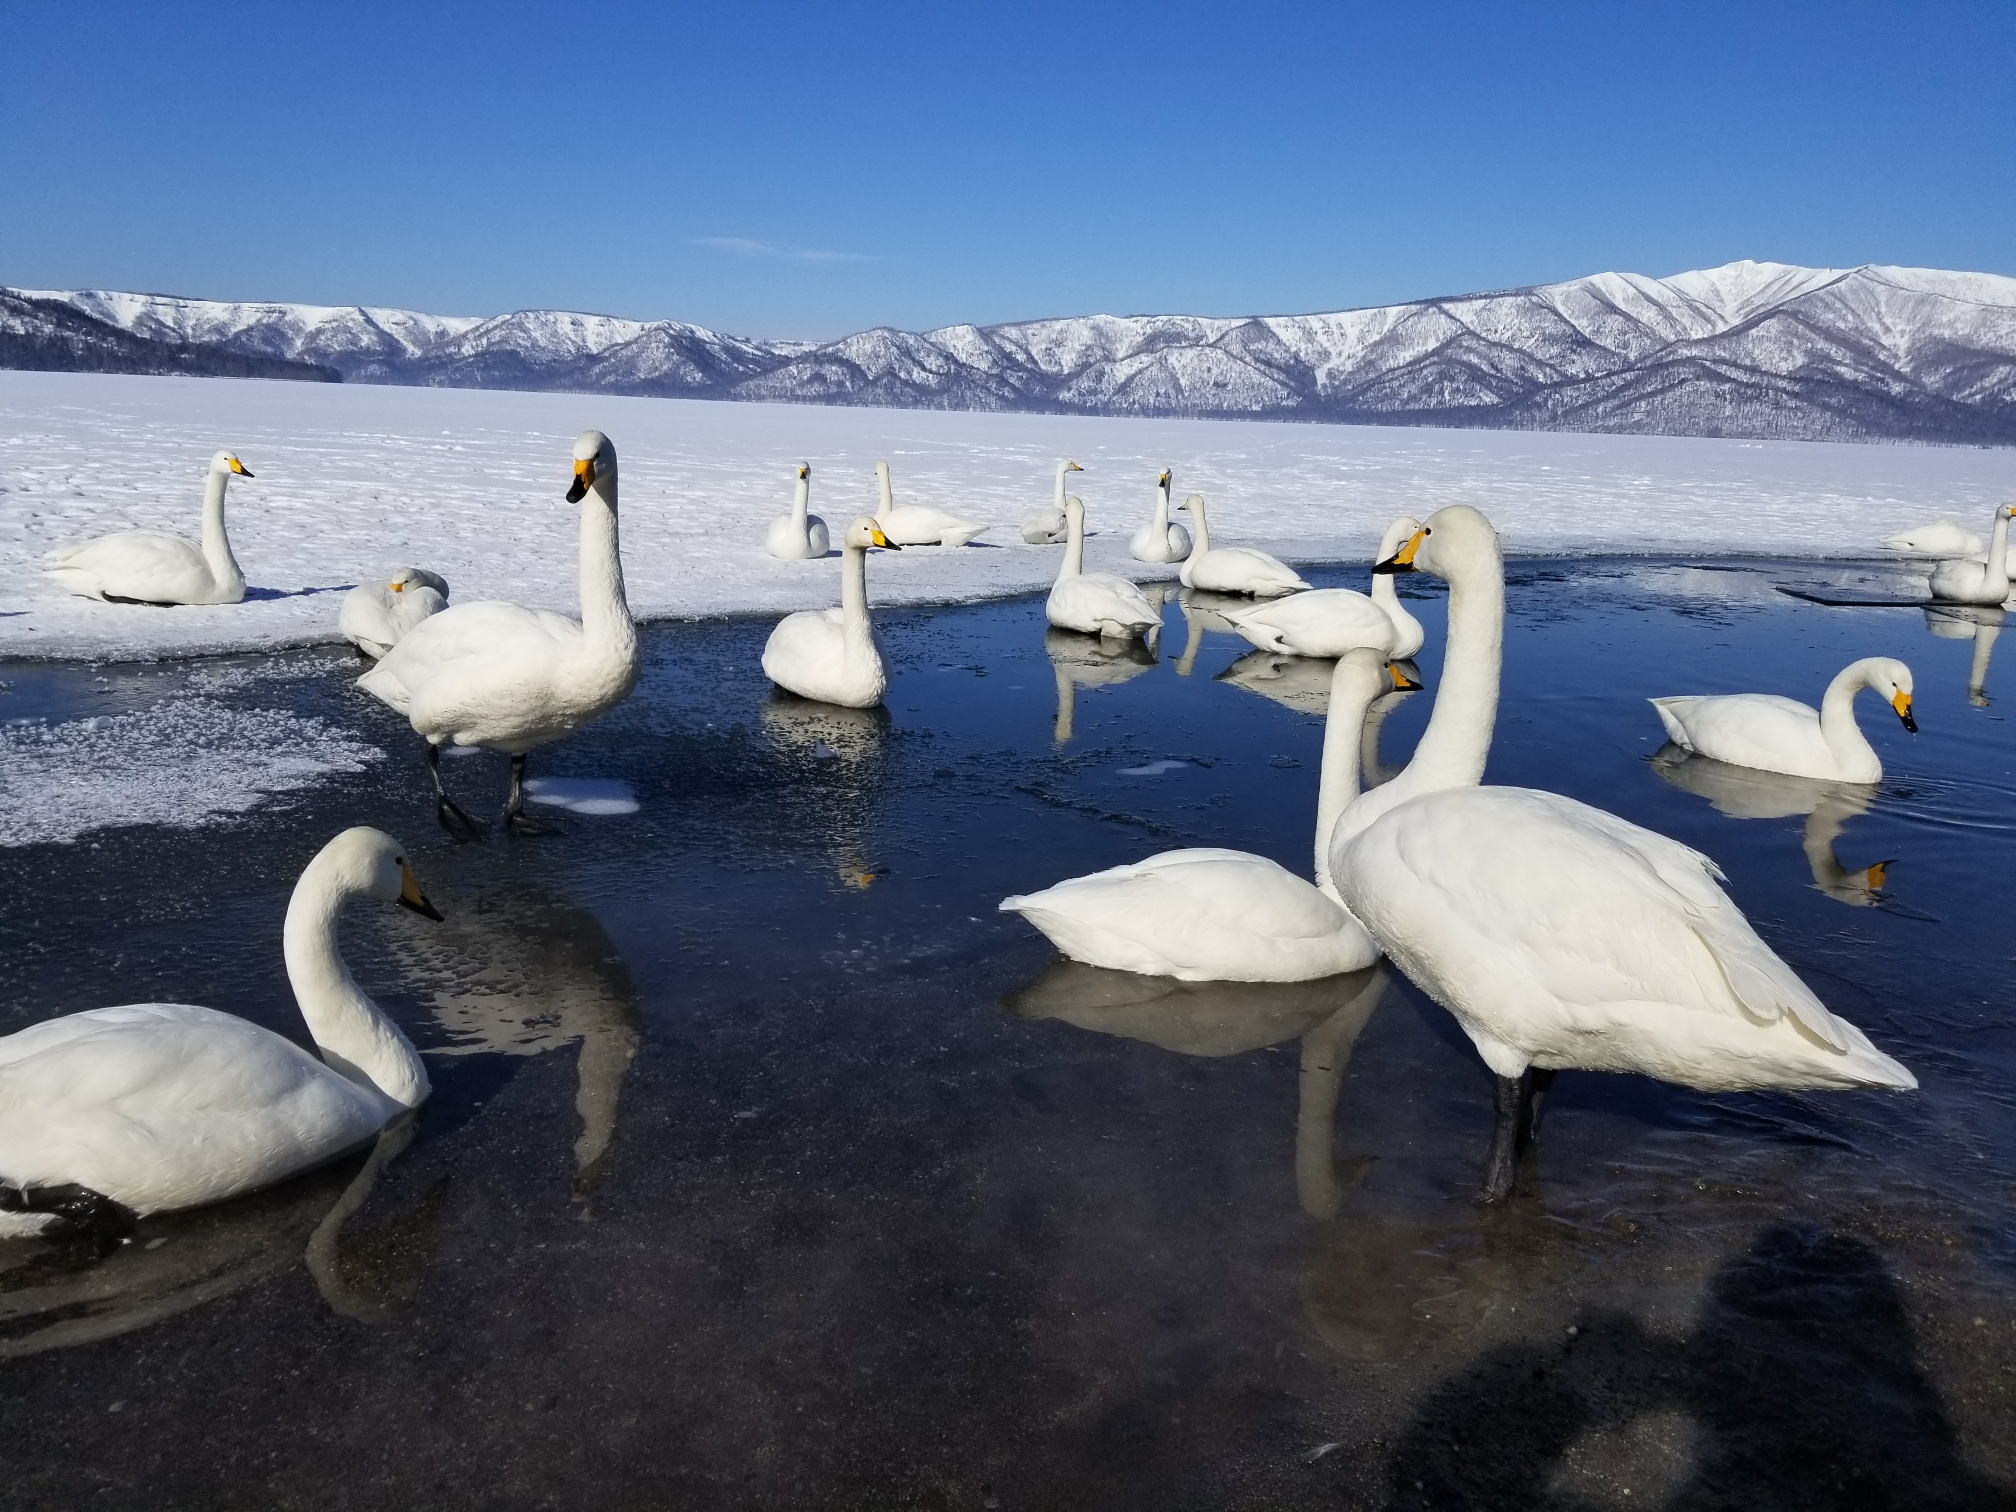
[781, 169]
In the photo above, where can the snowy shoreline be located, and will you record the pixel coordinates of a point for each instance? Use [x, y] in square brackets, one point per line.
[355, 479]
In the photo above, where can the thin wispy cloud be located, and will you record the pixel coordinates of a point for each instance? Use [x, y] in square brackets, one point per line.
[744, 246]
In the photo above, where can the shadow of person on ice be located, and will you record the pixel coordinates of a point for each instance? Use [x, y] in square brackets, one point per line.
[1798, 1389]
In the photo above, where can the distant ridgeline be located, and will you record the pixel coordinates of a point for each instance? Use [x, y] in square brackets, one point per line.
[1748, 350]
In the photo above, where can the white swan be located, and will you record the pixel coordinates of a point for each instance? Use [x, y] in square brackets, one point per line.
[1160, 540]
[1205, 914]
[1940, 538]
[1047, 526]
[1233, 569]
[799, 536]
[157, 1106]
[1964, 581]
[376, 615]
[1097, 603]
[508, 678]
[140, 567]
[1775, 734]
[1558, 935]
[1327, 622]
[832, 655]
[919, 524]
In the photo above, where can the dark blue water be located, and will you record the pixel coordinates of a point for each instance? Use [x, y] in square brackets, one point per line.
[769, 1165]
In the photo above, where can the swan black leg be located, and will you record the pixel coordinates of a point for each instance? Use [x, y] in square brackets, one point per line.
[1540, 1084]
[1501, 1166]
[516, 820]
[451, 814]
[79, 1211]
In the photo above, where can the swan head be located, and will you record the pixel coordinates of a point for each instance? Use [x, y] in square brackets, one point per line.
[1067, 465]
[227, 462]
[1163, 480]
[369, 862]
[594, 462]
[1449, 535]
[804, 472]
[1892, 679]
[1397, 535]
[1074, 508]
[866, 531]
[406, 579]
[1194, 503]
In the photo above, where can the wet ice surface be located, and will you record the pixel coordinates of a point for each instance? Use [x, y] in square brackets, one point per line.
[769, 1165]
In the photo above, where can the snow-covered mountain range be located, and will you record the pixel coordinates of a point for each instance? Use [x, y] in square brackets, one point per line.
[1747, 350]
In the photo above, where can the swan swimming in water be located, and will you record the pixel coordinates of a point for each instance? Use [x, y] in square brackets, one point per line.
[1327, 622]
[832, 655]
[799, 536]
[1986, 582]
[141, 567]
[1776, 734]
[919, 524]
[120, 1112]
[1160, 541]
[1048, 526]
[1205, 914]
[376, 615]
[1097, 603]
[1233, 569]
[508, 678]
[1558, 935]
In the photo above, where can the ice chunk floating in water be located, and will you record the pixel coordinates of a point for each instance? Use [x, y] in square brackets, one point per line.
[583, 795]
[1152, 769]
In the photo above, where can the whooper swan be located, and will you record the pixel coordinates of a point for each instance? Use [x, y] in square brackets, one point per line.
[1233, 569]
[1097, 603]
[1159, 540]
[1047, 526]
[832, 655]
[1775, 734]
[140, 567]
[1965, 581]
[919, 524]
[799, 536]
[1327, 622]
[376, 615]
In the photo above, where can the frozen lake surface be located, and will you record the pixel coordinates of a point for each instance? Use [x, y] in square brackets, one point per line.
[352, 480]
[769, 1165]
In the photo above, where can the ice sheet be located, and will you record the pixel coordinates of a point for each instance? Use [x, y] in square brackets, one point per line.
[353, 479]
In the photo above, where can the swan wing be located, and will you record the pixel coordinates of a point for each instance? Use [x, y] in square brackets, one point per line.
[136, 564]
[1241, 569]
[921, 525]
[1759, 730]
[1091, 601]
[1323, 622]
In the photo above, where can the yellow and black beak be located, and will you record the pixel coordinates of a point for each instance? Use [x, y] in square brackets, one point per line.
[1402, 681]
[875, 535]
[411, 897]
[1403, 559]
[584, 479]
[1163, 481]
[240, 468]
[804, 471]
[1901, 702]
[1072, 467]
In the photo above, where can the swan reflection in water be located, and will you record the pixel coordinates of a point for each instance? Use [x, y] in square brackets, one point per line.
[1983, 626]
[1302, 683]
[1747, 793]
[835, 758]
[1089, 661]
[1217, 1019]
[1202, 610]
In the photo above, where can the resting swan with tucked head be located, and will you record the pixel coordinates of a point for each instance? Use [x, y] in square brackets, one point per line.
[156, 1106]
[919, 524]
[1048, 526]
[1233, 569]
[799, 536]
[832, 655]
[1211, 915]
[376, 615]
[1097, 603]
[1558, 935]
[1327, 622]
[1776, 734]
[508, 678]
[141, 567]
[1965, 581]
[1160, 541]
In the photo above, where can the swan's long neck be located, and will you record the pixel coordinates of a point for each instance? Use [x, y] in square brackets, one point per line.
[860, 633]
[1326, 1056]
[355, 1038]
[1352, 689]
[1384, 592]
[801, 502]
[1203, 533]
[605, 613]
[888, 504]
[1838, 728]
[1998, 547]
[1161, 511]
[1074, 543]
[1453, 749]
[216, 544]
[1059, 498]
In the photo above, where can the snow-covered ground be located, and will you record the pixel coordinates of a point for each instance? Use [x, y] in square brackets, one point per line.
[353, 479]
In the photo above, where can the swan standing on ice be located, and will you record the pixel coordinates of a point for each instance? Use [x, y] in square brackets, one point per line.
[832, 655]
[919, 524]
[375, 615]
[1211, 915]
[1233, 569]
[1776, 734]
[1097, 603]
[140, 567]
[1047, 526]
[1940, 538]
[508, 678]
[1963, 581]
[1327, 622]
[1159, 541]
[156, 1106]
[798, 536]
[1561, 936]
